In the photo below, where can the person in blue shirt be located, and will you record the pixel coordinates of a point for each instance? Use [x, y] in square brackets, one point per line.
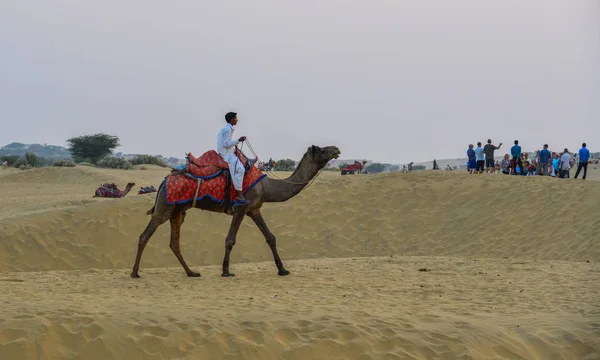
[544, 160]
[515, 152]
[472, 162]
[480, 157]
[584, 157]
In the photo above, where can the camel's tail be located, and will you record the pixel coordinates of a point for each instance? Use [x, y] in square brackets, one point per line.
[151, 211]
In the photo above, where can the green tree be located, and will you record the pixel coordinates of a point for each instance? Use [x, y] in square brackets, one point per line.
[32, 159]
[92, 147]
[375, 168]
[285, 165]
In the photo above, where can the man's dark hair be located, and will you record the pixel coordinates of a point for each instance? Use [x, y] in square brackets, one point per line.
[516, 142]
[583, 145]
[545, 145]
[478, 144]
[230, 116]
[489, 141]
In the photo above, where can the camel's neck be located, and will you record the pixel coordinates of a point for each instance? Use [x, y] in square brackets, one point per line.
[276, 190]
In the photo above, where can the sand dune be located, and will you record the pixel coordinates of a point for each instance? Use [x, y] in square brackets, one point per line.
[502, 251]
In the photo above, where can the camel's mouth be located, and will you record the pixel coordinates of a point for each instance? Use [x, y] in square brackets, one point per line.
[336, 154]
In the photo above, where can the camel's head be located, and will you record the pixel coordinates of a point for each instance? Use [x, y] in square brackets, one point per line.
[130, 185]
[322, 156]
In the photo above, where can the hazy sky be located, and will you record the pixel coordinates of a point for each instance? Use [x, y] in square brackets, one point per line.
[393, 81]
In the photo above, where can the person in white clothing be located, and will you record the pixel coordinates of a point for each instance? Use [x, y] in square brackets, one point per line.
[565, 165]
[226, 148]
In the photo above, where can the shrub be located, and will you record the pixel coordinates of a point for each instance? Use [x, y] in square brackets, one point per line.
[65, 163]
[25, 167]
[32, 159]
[285, 165]
[20, 162]
[111, 162]
[147, 159]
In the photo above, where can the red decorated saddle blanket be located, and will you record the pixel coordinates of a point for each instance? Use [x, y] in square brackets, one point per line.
[208, 165]
[181, 189]
[213, 171]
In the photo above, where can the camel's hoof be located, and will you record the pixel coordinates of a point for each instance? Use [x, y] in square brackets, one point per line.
[193, 274]
[227, 274]
[135, 275]
[283, 272]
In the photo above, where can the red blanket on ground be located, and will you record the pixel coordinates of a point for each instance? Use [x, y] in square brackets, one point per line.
[181, 188]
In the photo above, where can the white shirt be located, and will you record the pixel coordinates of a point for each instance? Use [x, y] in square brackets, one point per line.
[565, 162]
[225, 146]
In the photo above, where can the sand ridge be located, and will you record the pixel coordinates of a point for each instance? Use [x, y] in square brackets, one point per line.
[426, 265]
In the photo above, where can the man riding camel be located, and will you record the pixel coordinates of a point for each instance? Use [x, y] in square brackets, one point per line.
[226, 148]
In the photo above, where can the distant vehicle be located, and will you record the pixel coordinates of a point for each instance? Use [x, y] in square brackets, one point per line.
[355, 168]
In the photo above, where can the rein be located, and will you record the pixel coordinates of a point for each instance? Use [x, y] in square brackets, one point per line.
[271, 174]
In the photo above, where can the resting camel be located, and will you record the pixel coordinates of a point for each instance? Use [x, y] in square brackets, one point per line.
[267, 190]
[110, 191]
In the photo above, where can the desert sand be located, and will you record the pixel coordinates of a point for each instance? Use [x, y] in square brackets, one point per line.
[426, 265]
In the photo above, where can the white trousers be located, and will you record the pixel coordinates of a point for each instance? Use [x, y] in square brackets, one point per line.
[236, 169]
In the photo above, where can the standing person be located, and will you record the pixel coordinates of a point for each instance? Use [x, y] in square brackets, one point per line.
[543, 161]
[488, 149]
[584, 157]
[480, 156]
[565, 165]
[515, 151]
[5, 165]
[472, 162]
[226, 148]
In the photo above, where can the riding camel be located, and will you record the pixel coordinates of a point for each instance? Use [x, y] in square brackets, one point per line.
[265, 191]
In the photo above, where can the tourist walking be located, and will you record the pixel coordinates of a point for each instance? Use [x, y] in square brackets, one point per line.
[584, 157]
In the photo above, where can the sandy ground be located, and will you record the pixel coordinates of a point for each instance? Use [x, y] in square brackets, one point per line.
[427, 265]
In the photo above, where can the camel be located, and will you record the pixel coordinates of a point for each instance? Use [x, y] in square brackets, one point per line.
[109, 192]
[265, 191]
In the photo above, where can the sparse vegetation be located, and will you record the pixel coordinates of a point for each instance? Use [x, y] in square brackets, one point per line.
[285, 165]
[64, 163]
[148, 160]
[111, 162]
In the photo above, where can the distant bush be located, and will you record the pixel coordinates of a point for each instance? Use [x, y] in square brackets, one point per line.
[148, 160]
[111, 162]
[32, 159]
[285, 165]
[65, 163]
[25, 167]
[419, 167]
[20, 162]
[143, 168]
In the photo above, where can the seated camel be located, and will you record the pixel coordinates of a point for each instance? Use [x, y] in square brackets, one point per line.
[112, 191]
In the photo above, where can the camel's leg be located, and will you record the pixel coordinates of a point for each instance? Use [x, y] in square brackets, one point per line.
[154, 223]
[238, 217]
[271, 240]
[176, 221]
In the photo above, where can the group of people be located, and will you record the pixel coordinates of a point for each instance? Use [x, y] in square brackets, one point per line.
[481, 159]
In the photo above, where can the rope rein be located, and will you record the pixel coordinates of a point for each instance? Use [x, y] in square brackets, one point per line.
[271, 174]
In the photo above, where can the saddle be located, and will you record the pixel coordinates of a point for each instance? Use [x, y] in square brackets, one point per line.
[108, 190]
[207, 176]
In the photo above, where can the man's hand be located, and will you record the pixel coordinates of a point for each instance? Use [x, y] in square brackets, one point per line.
[242, 139]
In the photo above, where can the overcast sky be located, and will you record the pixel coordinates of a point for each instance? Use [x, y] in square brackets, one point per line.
[392, 81]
